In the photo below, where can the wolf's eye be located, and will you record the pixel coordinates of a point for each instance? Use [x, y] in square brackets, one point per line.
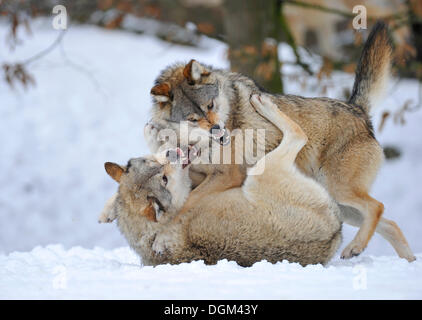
[211, 105]
[165, 180]
[192, 118]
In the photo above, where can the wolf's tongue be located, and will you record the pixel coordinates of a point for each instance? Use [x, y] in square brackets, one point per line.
[180, 153]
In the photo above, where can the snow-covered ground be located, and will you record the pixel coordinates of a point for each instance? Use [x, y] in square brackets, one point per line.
[89, 106]
[55, 273]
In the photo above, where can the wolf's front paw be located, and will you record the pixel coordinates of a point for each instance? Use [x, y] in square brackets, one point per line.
[255, 100]
[105, 218]
[109, 212]
[263, 105]
[352, 250]
[160, 244]
[151, 136]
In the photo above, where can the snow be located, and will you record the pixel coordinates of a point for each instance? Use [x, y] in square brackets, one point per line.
[89, 106]
[55, 273]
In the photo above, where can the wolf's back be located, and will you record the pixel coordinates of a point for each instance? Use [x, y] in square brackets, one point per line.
[373, 70]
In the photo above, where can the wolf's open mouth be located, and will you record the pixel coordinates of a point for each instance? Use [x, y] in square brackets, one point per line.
[184, 155]
[221, 136]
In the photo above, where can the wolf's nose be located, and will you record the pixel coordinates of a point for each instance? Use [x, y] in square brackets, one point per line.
[215, 127]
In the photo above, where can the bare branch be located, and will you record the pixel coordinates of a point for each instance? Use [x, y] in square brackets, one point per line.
[47, 50]
[292, 43]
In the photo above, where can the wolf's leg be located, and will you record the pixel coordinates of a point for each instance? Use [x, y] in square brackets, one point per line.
[349, 175]
[151, 134]
[108, 214]
[151, 137]
[372, 211]
[282, 184]
[222, 178]
[294, 138]
[388, 229]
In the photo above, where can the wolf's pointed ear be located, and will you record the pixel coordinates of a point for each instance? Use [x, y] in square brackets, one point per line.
[114, 170]
[194, 71]
[162, 92]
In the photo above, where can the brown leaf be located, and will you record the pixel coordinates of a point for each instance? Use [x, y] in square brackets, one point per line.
[358, 38]
[116, 22]
[384, 117]
[268, 49]
[205, 27]
[326, 69]
[124, 5]
[17, 73]
[349, 68]
[153, 11]
[404, 52]
[104, 4]
[250, 50]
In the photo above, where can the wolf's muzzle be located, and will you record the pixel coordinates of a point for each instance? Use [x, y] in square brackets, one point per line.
[185, 156]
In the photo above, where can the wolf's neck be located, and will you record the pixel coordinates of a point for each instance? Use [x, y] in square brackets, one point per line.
[243, 115]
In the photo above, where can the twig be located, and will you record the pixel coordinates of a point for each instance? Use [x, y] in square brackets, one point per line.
[81, 69]
[292, 43]
[45, 51]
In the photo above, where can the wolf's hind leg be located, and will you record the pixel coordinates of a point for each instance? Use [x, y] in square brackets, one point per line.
[294, 138]
[388, 229]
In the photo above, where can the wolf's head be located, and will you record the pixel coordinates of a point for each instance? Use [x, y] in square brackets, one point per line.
[195, 93]
[150, 187]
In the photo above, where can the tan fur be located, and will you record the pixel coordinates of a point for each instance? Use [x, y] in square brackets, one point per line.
[342, 153]
[280, 214]
[227, 177]
[212, 117]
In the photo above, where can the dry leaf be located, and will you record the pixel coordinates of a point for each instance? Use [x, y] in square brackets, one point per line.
[384, 117]
[205, 27]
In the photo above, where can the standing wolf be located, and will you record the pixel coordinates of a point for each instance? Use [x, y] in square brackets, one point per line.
[342, 153]
[280, 214]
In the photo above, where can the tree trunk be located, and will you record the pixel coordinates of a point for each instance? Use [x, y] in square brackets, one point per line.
[415, 16]
[252, 35]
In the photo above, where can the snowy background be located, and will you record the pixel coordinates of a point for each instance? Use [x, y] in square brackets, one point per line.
[89, 106]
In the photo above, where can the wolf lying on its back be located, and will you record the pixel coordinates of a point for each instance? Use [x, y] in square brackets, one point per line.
[280, 214]
[342, 153]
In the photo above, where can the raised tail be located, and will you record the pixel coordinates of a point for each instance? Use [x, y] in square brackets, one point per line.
[373, 70]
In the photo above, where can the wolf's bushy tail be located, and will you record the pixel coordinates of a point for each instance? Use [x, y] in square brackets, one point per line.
[373, 70]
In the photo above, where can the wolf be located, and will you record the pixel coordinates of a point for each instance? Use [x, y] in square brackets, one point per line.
[342, 153]
[280, 214]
